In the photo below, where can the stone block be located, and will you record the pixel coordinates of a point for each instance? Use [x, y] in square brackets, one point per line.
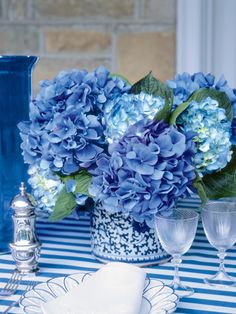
[19, 39]
[163, 11]
[17, 10]
[83, 8]
[140, 53]
[47, 68]
[72, 41]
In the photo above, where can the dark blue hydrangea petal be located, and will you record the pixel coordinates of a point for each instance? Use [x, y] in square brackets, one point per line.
[66, 120]
[70, 166]
[150, 173]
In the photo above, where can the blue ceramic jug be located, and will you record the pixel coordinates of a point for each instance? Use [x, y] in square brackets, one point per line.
[15, 92]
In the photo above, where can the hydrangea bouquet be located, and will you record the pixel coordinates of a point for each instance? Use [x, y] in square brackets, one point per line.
[137, 149]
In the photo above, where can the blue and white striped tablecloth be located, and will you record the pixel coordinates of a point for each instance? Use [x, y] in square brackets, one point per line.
[66, 250]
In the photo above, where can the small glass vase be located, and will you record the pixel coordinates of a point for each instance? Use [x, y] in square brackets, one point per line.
[117, 237]
[15, 92]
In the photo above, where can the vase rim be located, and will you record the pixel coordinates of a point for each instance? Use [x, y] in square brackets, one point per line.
[18, 60]
[17, 56]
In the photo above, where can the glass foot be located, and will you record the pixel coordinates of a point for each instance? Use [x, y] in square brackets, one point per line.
[221, 278]
[181, 290]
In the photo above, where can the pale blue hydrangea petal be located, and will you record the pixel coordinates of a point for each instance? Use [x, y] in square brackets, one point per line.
[124, 111]
[184, 85]
[46, 187]
[213, 133]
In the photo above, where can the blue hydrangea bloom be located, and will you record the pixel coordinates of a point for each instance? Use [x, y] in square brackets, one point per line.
[146, 171]
[124, 111]
[65, 131]
[185, 84]
[46, 187]
[213, 146]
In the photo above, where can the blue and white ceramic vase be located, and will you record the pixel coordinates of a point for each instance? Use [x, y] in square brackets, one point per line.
[117, 237]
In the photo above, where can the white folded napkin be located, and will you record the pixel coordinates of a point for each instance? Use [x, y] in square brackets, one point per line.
[116, 288]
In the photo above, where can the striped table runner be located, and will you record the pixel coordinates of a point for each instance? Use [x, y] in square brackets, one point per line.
[66, 250]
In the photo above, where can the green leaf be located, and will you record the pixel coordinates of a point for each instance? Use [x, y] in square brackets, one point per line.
[83, 180]
[64, 205]
[150, 85]
[221, 97]
[198, 184]
[178, 111]
[222, 183]
[164, 113]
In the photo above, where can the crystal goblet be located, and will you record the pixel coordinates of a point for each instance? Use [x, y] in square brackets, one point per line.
[219, 223]
[176, 233]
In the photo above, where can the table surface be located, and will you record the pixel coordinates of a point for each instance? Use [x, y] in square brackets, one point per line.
[66, 250]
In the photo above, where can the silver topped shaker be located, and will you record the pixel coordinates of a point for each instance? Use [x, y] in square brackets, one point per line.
[26, 246]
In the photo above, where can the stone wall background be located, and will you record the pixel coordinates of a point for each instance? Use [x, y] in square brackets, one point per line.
[130, 37]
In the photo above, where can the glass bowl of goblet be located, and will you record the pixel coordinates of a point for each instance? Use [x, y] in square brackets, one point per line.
[176, 232]
[219, 223]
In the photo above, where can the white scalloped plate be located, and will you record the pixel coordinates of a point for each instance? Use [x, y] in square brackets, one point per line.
[157, 297]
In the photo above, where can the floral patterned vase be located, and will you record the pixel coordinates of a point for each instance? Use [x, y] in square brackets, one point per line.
[117, 237]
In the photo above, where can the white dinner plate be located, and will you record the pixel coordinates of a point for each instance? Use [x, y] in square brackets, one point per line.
[157, 297]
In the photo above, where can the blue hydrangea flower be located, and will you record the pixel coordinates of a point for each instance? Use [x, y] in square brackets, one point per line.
[146, 171]
[46, 187]
[213, 146]
[185, 84]
[124, 111]
[65, 131]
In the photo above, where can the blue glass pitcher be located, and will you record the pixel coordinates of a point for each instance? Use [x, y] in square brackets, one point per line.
[15, 93]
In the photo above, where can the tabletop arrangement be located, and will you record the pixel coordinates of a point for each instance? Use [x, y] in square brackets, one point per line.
[124, 156]
[66, 251]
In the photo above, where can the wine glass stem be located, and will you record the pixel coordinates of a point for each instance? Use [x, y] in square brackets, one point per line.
[176, 261]
[221, 254]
